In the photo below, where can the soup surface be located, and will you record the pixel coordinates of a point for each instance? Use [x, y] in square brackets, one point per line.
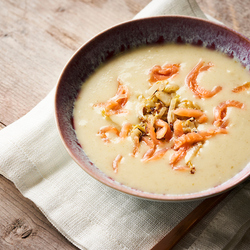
[166, 119]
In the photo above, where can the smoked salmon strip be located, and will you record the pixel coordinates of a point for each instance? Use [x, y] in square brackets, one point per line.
[136, 145]
[212, 131]
[194, 137]
[178, 155]
[187, 139]
[191, 81]
[114, 105]
[201, 116]
[107, 129]
[152, 134]
[148, 141]
[164, 130]
[241, 88]
[178, 128]
[182, 168]
[159, 73]
[116, 162]
[220, 112]
[125, 130]
[151, 154]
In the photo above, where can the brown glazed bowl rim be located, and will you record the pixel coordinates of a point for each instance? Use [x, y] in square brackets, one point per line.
[126, 35]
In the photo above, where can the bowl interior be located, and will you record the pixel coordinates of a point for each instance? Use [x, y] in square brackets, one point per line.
[165, 29]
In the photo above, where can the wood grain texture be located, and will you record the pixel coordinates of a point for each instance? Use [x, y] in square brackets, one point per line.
[182, 228]
[234, 14]
[2, 125]
[23, 226]
[36, 40]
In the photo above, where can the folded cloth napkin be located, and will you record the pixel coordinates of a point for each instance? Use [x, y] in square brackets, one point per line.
[93, 216]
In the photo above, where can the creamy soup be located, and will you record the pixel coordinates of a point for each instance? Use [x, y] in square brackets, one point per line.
[166, 119]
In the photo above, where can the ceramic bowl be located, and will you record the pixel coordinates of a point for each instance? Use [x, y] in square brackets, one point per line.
[154, 30]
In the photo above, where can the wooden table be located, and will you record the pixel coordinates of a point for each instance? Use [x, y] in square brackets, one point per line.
[36, 40]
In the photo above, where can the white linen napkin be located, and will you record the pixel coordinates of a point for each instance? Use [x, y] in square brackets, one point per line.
[93, 216]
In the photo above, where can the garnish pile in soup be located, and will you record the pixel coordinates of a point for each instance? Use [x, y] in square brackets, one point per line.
[166, 119]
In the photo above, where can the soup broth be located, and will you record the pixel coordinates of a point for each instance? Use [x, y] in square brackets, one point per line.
[166, 119]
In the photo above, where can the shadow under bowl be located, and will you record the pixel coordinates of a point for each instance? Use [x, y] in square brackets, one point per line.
[132, 34]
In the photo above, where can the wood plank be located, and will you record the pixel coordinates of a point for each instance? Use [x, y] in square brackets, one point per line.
[22, 225]
[182, 228]
[38, 38]
[2, 125]
[233, 13]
